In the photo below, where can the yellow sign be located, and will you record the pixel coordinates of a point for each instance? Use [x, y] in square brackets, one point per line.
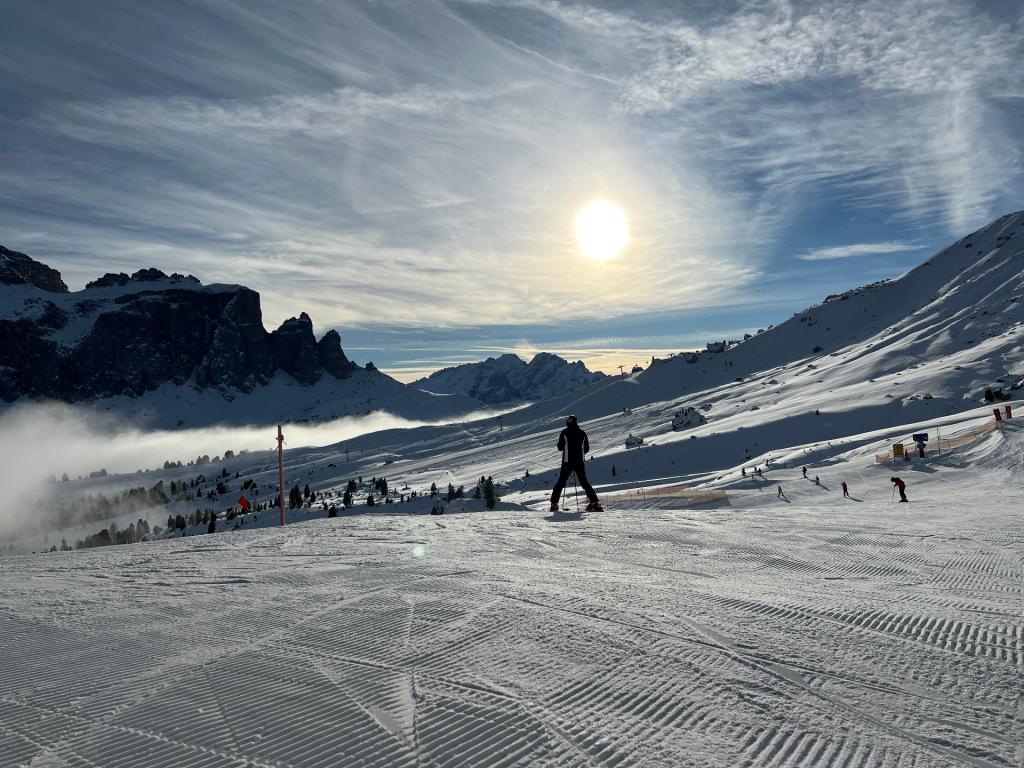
[897, 450]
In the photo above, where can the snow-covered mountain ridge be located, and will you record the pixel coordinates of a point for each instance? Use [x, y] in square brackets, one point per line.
[180, 351]
[509, 378]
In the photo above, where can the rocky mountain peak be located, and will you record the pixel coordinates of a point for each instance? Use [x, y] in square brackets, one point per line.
[20, 269]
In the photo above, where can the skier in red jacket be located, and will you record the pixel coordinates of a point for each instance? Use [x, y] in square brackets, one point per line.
[902, 487]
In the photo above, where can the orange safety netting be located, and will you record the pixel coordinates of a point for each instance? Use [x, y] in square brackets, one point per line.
[945, 443]
[691, 495]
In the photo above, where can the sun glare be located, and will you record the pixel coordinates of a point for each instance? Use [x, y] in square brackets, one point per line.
[601, 230]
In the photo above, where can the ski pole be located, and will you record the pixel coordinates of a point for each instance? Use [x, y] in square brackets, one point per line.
[576, 491]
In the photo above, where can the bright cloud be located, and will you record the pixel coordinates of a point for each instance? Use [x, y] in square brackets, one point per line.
[419, 163]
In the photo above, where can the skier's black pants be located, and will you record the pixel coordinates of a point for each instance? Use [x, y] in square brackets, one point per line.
[903, 496]
[563, 478]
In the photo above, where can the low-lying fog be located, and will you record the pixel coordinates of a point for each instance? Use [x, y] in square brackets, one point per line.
[45, 441]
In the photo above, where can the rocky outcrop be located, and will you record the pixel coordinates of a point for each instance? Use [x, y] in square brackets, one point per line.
[128, 335]
[332, 358]
[295, 349]
[19, 269]
[142, 276]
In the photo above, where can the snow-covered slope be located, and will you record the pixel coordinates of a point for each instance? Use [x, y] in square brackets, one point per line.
[812, 630]
[509, 378]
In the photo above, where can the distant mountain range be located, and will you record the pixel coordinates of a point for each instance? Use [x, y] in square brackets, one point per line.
[166, 350]
[509, 378]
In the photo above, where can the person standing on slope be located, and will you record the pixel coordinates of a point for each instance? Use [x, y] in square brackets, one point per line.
[573, 444]
[846, 491]
[902, 487]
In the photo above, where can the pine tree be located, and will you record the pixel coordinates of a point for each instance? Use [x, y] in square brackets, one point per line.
[490, 494]
[346, 500]
[306, 491]
[369, 501]
[433, 489]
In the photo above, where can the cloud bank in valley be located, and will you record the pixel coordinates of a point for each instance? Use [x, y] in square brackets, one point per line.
[48, 440]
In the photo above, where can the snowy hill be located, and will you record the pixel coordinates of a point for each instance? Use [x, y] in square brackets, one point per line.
[167, 350]
[509, 378]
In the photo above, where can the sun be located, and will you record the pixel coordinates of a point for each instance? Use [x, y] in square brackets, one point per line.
[601, 230]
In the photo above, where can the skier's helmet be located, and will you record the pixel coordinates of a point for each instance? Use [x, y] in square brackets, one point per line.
[571, 421]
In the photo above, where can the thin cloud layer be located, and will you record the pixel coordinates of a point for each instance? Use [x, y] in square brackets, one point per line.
[419, 163]
[857, 249]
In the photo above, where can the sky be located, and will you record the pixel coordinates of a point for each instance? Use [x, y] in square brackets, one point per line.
[409, 171]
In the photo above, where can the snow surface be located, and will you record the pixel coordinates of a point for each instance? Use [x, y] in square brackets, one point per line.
[812, 630]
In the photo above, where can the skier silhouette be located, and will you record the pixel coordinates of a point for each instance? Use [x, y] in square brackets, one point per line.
[573, 444]
[781, 495]
[846, 491]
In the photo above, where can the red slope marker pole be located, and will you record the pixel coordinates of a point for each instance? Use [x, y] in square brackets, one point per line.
[280, 471]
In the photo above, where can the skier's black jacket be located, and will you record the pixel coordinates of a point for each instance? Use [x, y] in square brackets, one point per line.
[573, 444]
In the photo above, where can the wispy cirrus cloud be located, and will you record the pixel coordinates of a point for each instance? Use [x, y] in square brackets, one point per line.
[418, 164]
[857, 249]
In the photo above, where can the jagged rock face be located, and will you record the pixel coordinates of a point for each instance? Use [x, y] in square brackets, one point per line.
[333, 358]
[127, 335]
[142, 276]
[240, 354]
[152, 338]
[295, 349]
[19, 269]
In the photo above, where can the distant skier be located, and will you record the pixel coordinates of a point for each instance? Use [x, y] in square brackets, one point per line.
[901, 486]
[743, 471]
[805, 471]
[846, 491]
[817, 480]
[574, 445]
[781, 495]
